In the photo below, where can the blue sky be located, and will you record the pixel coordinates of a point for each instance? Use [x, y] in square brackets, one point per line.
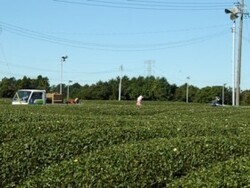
[180, 39]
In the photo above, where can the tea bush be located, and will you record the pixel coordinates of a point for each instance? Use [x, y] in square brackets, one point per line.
[153, 163]
[109, 143]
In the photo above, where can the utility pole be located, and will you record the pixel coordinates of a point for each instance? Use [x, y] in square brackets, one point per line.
[223, 94]
[187, 89]
[238, 71]
[120, 84]
[233, 63]
[68, 89]
[237, 11]
[63, 58]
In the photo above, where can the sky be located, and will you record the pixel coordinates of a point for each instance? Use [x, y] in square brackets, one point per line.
[183, 41]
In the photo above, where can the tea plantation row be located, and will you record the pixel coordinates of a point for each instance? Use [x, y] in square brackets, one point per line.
[116, 144]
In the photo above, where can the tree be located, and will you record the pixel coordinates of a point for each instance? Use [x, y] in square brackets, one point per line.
[152, 88]
[114, 83]
[135, 87]
[41, 83]
[125, 86]
[74, 90]
[8, 87]
[85, 92]
[180, 93]
[207, 94]
[245, 97]
[160, 89]
[172, 91]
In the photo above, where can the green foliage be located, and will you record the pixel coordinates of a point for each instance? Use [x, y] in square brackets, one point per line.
[181, 93]
[152, 88]
[246, 97]
[153, 163]
[116, 144]
[207, 94]
[230, 173]
[8, 87]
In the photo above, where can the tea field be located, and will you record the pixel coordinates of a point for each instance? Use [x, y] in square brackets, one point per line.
[116, 144]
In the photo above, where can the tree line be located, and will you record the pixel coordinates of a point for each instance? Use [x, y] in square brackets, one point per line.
[152, 88]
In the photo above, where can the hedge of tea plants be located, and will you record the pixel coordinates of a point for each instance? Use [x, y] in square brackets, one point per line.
[116, 144]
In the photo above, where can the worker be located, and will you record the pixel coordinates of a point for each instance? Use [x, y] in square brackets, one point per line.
[139, 100]
[76, 101]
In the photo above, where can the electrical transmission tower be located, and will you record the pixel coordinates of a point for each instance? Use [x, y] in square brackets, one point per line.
[148, 65]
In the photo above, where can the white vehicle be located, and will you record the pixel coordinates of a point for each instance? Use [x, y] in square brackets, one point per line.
[29, 96]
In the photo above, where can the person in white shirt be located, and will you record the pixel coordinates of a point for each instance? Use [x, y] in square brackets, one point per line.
[139, 100]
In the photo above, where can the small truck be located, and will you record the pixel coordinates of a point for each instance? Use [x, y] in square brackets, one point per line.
[29, 96]
[35, 96]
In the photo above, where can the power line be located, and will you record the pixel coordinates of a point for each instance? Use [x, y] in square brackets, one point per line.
[57, 71]
[205, 28]
[106, 47]
[50, 79]
[4, 57]
[149, 5]
[180, 2]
